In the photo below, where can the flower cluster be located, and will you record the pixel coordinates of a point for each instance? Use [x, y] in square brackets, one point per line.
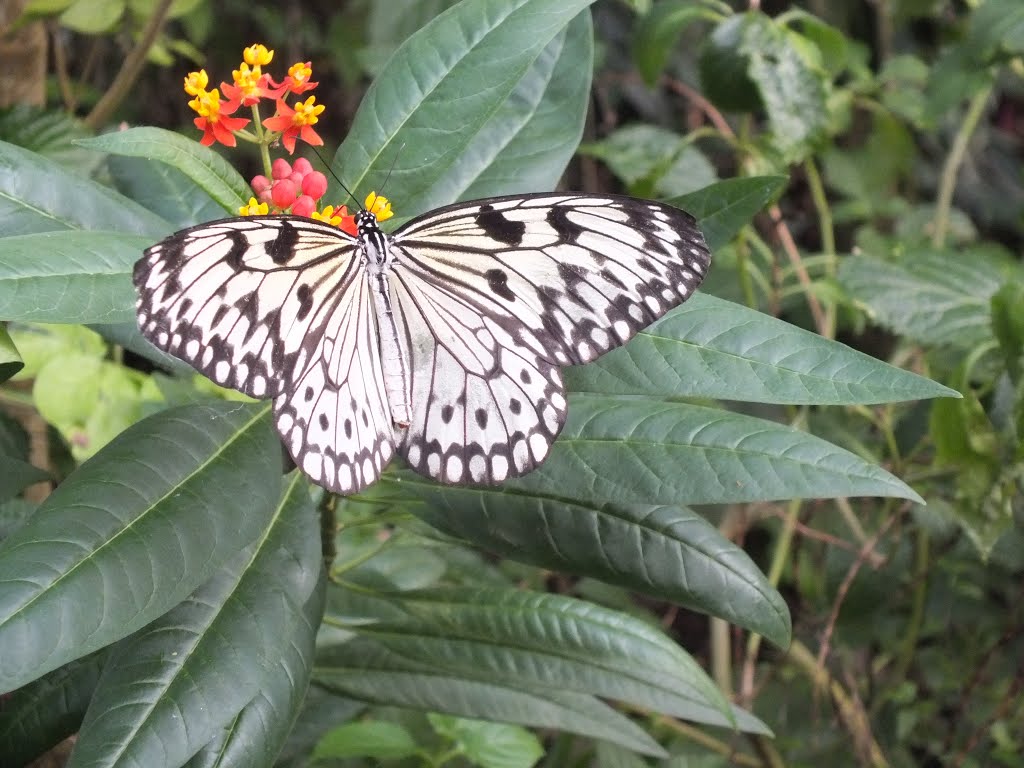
[250, 85]
[283, 187]
[296, 188]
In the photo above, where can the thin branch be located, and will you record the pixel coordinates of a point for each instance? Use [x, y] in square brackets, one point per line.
[130, 70]
[947, 183]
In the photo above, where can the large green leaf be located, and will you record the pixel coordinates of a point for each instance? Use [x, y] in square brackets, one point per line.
[511, 637]
[257, 734]
[133, 531]
[533, 135]
[69, 277]
[366, 670]
[211, 172]
[709, 347]
[164, 190]
[37, 195]
[935, 297]
[43, 713]
[670, 553]
[638, 451]
[172, 686]
[440, 89]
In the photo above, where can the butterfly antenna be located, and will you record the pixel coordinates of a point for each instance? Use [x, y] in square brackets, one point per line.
[394, 161]
[340, 182]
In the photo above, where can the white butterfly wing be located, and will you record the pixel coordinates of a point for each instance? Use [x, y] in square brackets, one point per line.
[278, 307]
[496, 294]
[484, 406]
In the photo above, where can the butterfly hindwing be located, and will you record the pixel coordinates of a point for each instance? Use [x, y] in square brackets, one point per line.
[484, 407]
[335, 419]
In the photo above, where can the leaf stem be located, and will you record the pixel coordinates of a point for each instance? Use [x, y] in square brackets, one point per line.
[947, 183]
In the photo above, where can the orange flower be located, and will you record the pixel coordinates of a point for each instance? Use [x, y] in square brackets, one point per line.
[337, 217]
[298, 78]
[296, 123]
[250, 85]
[213, 120]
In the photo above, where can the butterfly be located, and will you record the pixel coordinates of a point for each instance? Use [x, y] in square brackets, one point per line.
[442, 342]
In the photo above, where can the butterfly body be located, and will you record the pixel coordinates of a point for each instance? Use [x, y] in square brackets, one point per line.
[442, 342]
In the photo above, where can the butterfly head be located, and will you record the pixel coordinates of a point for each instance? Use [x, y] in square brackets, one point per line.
[366, 222]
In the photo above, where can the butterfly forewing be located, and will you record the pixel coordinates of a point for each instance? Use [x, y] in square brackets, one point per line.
[573, 275]
[237, 298]
[487, 299]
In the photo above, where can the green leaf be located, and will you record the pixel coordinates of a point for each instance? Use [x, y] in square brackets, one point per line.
[468, 61]
[43, 713]
[49, 132]
[93, 17]
[637, 451]
[16, 475]
[669, 553]
[69, 277]
[709, 347]
[724, 208]
[39, 344]
[386, 29]
[164, 190]
[513, 638]
[172, 686]
[491, 745]
[934, 297]
[255, 738]
[37, 195]
[530, 139]
[367, 670]
[370, 738]
[210, 172]
[751, 54]
[657, 32]
[10, 359]
[1008, 325]
[132, 532]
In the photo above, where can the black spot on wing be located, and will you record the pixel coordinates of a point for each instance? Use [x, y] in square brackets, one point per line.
[498, 227]
[282, 248]
[567, 230]
[305, 296]
[446, 413]
[497, 280]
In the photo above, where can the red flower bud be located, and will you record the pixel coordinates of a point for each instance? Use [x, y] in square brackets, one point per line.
[304, 206]
[280, 169]
[284, 193]
[260, 183]
[302, 165]
[314, 184]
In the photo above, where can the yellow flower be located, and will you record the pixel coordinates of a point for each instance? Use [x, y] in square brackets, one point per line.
[328, 216]
[254, 208]
[256, 55]
[306, 112]
[196, 82]
[379, 206]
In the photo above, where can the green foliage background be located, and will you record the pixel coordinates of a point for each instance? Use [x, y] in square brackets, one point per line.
[733, 473]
